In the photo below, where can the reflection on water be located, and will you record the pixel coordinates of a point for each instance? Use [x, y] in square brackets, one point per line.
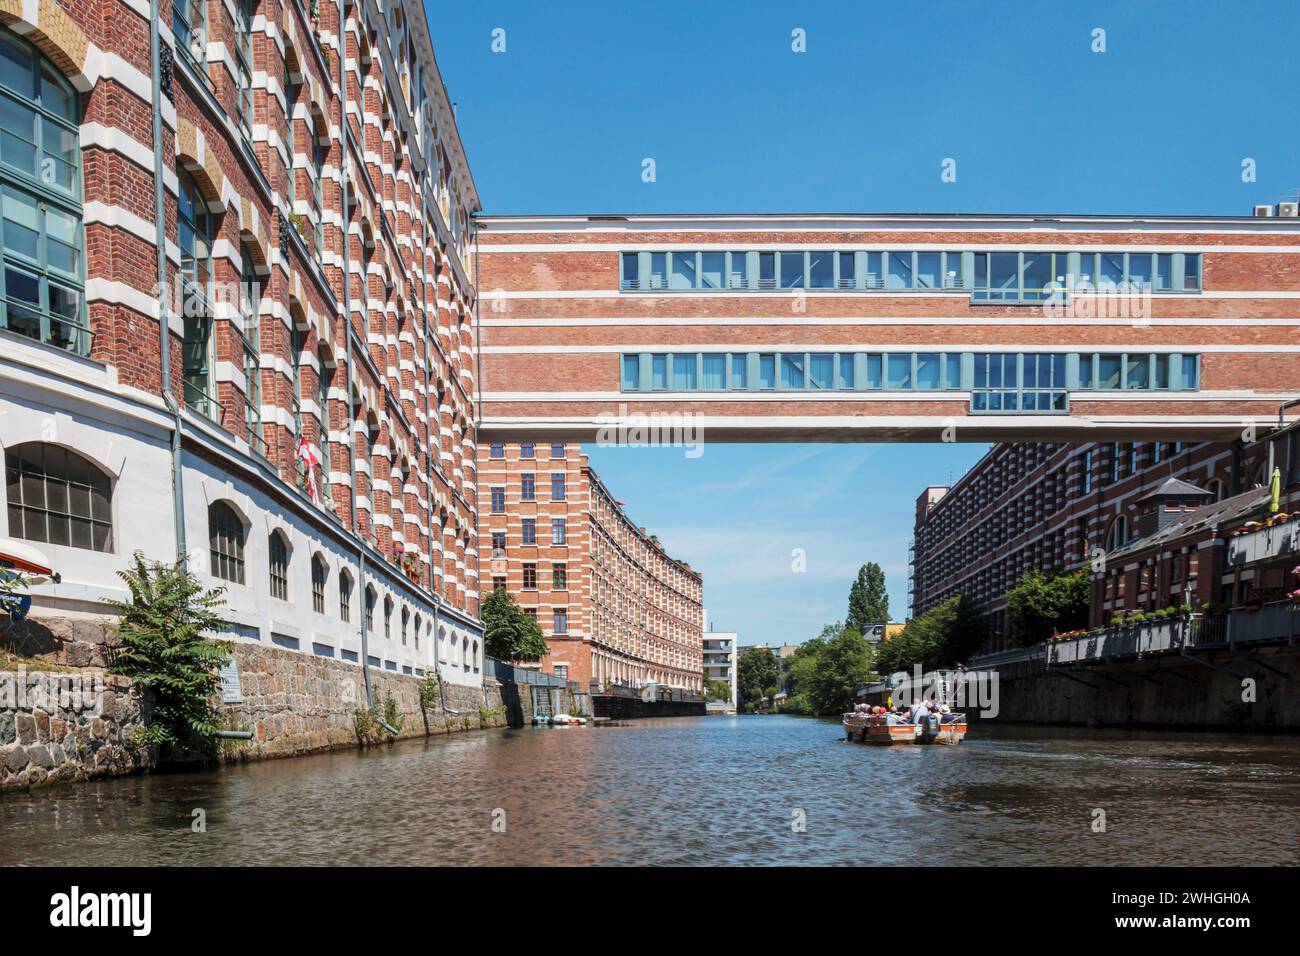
[697, 791]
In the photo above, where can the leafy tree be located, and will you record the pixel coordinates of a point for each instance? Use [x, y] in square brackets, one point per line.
[717, 690]
[508, 633]
[841, 663]
[943, 635]
[1040, 604]
[868, 600]
[12, 584]
[164, 647]
[756, 671]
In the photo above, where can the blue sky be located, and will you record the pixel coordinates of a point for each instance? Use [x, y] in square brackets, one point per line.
[1159, 123]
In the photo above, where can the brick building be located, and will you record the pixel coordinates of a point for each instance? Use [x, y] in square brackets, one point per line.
[806, 327]
[1059, 507]
[276, 190]
[614, 606]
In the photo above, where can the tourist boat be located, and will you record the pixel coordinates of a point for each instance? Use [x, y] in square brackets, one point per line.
[876, 729]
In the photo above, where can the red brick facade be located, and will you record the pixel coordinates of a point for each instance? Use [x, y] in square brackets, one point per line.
[384, 310]
[614, 606]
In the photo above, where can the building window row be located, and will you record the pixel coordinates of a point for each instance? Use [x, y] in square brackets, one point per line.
[994, 378]
[991, 276]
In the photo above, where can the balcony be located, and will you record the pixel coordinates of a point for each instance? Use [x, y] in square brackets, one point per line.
[1281, 540]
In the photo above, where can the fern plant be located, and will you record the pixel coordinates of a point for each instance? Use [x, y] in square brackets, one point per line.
[164, 647]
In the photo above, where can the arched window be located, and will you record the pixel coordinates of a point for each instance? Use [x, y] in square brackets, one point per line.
[368, 612]
[318, 195]
[278, 561]
[406, 620]
[56, 496]
[417, 632]
[226, 542]
[345, 596]
[291, 87]
[464, 652]
[41, 279]
[195, 231]
[319, 574]
[250, 307]
[388, 618]
[1118, 533]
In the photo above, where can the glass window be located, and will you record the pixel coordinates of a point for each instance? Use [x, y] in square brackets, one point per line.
[1038, 271]
[927, 370]
[683, 373]
[767, 371]
[497, 450]
[56, 496]
[740, 370]
[528, 450]
[1109, 370]
[498, 500]
[41, 228]
[1164, 271]
[190, 26]
[244, 66]
[683, 276]
[738, 271]
[711, 266]
[1085, 371]
[319, 575]
[226, 542]
[1190, 376]
[899, 371]
[1191, 272]
[345, 597]
[659, 371]
[821, 270]
[279, 566]
[1003, 271]
[792, 264]
[952, 370]
[530, 576]
[927, 270]
[900, 271]
[1139, 268]
[559, 576]
[874, 371]
[529, 531]
[715, 371]
[875, 274]
[767, 270]
[821, 371]
[557, 486]
[631, 270]
[528, 487]
[1138, 371]
[1112, 268]
[559, 531]
[557, 449]
[1161, 372]
[844, 371]
[631, 371]
[848, 270]
[953, 277]
[792, 371]
[658, 270]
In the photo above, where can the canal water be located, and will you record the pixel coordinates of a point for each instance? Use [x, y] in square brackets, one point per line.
[737, 791]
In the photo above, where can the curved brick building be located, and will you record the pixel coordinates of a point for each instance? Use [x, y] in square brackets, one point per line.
[298, 167]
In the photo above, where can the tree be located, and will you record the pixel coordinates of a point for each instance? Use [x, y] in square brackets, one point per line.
[756, 672]
[942, 636]
[841, 664]
[166, 651]
[508, 633]
[1040, 604]
[868, 600]
[715, 689]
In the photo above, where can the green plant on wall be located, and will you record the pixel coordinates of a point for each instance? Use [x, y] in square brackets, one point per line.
[363, 723]
[430, 693]
[165, 648]
[393, 719]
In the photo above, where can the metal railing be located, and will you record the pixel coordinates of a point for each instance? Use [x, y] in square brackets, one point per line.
[45, 327]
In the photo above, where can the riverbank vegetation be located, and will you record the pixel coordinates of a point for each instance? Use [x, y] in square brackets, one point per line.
[824, 673]
[1041, 605]
[508, 633]
[166, 649]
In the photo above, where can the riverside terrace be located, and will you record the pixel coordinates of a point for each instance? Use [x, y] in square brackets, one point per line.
[889, 327]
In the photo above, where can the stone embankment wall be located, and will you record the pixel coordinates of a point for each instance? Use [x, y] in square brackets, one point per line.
[68, 726]
[1161, 692]
[293, 703]
[627, 708]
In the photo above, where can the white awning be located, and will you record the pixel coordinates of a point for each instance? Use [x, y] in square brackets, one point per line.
[21, 556]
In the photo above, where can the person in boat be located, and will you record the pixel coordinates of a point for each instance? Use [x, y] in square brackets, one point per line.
[918, 710]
